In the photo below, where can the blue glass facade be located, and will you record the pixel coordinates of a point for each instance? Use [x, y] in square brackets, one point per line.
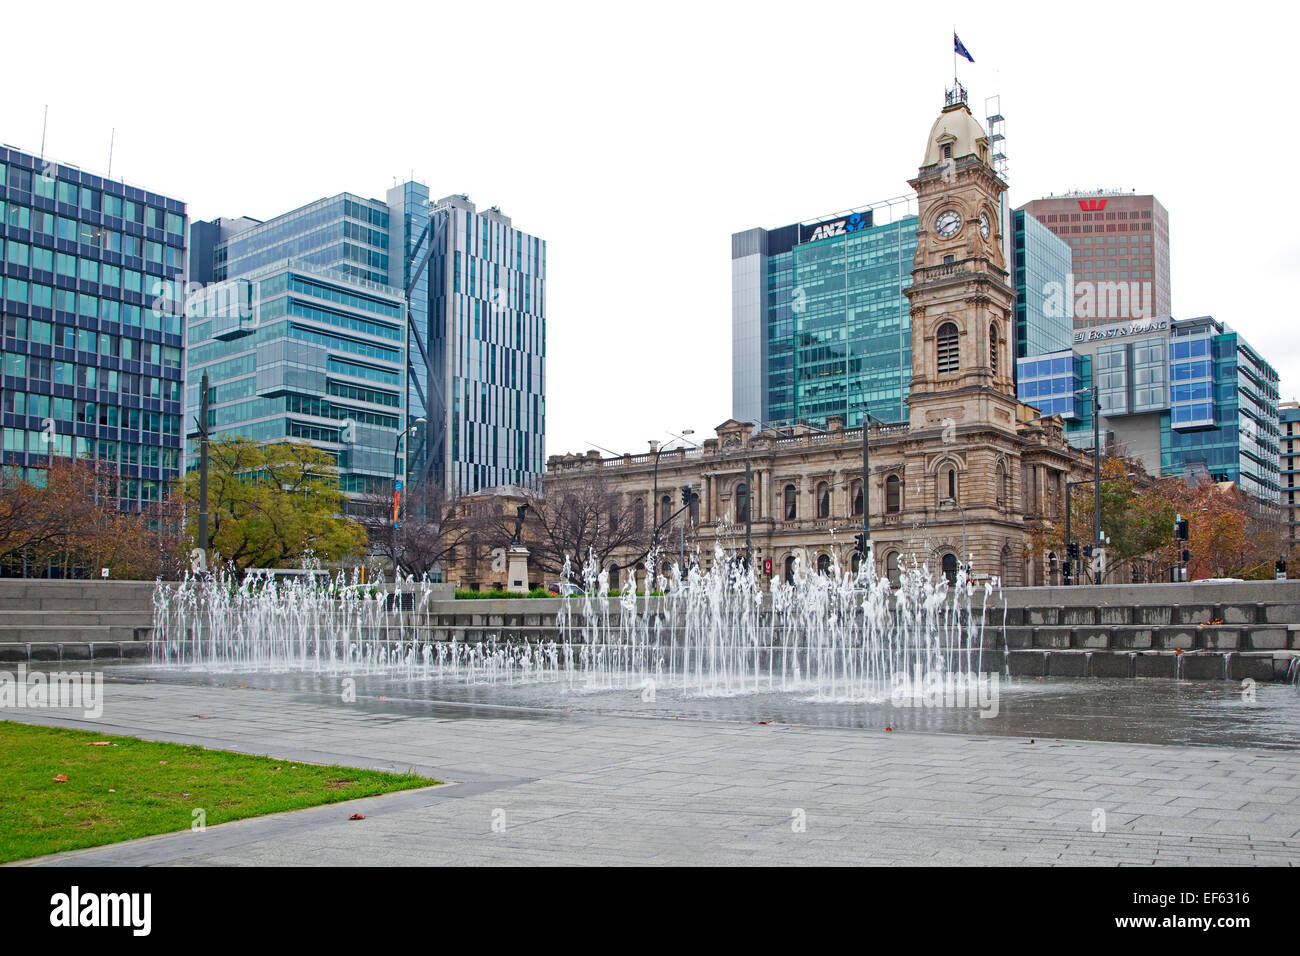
[1223, 417]
[299, 353]
[1041, 264]
[1052, 382]
[821, 322]
[473, 344]
[91, 289]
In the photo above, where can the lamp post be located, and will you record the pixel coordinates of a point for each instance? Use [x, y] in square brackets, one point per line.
[656, 449]
[397, 486]
[1069, 489]
[867, 419]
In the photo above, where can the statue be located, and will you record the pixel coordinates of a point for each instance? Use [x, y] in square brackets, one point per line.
[519, 524]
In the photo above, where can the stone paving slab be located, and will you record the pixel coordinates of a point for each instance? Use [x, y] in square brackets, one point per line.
[597, 790]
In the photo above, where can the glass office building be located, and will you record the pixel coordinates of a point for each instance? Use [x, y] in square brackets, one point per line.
[820, 321]
[1052, 383]
[473, 341]
[296, 352]
[1223, 415]
[1041, 267]
[1186, 397]
[91, 290]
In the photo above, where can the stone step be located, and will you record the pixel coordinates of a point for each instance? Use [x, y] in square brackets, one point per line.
[1156, 637]
[76, 618]
[1196, 665]
[76, 651]
[57, 634]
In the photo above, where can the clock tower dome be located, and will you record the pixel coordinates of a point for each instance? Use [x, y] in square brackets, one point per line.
[962, 304]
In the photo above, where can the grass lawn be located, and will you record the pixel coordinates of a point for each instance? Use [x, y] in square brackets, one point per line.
[120, 788]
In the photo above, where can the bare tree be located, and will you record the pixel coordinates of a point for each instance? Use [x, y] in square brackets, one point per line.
[434, 528]
[574, 518]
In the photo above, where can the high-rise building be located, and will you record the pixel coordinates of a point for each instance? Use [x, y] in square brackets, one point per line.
[299, 352]
[1041, 265]
[1223, 417]
[1289, 450]
[93, 275]
[1120, 246]
[820, 321]
[473, 343]
[1186, 397]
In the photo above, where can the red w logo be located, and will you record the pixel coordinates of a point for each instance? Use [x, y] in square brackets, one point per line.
[1092, 205]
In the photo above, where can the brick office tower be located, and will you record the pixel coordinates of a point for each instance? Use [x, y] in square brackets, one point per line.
[1120, 246]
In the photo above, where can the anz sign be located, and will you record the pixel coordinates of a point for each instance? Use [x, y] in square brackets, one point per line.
[836, 227]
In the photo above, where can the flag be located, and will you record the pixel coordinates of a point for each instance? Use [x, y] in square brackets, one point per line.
[960, 49]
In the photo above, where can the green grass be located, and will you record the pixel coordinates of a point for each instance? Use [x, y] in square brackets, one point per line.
[133, 788]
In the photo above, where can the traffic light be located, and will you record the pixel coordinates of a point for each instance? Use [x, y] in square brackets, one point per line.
[1087, 551]
[767, 567]
[1072, 551]
[686, 495]
[1186, 556]
[1181, 529]
[1279, 569]
[860, 542]
[1065, 573]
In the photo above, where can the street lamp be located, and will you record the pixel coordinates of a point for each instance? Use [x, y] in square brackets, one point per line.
[656, 449]
[397, 486]
[1069, 488]
[867, 419]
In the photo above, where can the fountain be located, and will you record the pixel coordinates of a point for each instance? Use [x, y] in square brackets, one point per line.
[833, 636]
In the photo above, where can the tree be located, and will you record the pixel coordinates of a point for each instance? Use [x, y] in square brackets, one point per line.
[270, 505]
[69, 524]
[573, 519]
[434, 526]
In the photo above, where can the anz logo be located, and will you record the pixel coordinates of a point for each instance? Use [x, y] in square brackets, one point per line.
[840, 227]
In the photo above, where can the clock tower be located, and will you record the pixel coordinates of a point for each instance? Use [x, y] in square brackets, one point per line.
[962, 304]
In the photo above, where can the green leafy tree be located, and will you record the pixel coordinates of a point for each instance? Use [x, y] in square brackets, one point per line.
[271, 504]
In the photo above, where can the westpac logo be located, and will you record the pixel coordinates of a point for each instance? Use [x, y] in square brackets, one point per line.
[1092, 205]
[840, 227]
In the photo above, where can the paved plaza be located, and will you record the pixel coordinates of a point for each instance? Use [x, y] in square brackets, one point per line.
[599, 790]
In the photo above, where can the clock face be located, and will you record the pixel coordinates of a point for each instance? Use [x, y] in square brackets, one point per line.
[947, 223]
[984, 225]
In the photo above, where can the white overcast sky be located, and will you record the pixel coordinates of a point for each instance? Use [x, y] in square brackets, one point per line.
[636, 139]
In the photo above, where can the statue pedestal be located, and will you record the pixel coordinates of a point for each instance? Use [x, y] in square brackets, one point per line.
[517, 569]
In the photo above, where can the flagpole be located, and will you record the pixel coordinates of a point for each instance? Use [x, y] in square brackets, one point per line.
[954, 56]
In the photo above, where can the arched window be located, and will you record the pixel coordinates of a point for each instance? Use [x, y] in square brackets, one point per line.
[638, 514]
[891, 568]
[1052, 567]
[791, 503]
[950, 567]
[823, 500]
[742, 503]
[947, 349]
[613, 577]
[893, 494]
[1003, 487]
[993, 347]
[1004, 570]
[855, 492]
[665, 509]
[789, 569]
[823, 564]
[694, 509]
[952, 483]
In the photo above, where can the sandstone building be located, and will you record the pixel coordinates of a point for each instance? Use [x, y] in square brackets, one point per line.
[972, 464]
